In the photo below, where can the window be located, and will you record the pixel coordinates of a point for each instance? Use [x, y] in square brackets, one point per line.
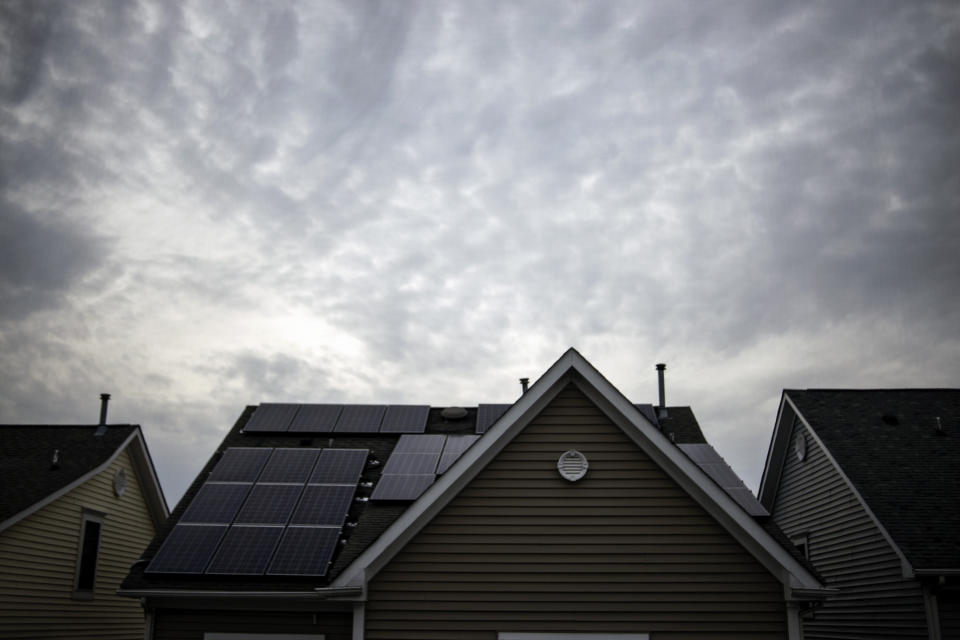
[802, 543]
[91, 525]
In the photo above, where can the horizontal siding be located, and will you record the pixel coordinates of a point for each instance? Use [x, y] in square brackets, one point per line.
[849, 551]
[624, 549]
[173, 624]
[39, 559]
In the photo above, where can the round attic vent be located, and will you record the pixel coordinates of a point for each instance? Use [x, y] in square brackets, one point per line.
[572, 465]
[454, 413]
[119, 482]
[800, 447]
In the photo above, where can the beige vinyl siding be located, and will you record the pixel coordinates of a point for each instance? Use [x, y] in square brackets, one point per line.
[38, 556]
[848, 550]
[183, 624]
[624, 549]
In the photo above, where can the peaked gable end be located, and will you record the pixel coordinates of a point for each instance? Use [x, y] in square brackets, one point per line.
[622, 549]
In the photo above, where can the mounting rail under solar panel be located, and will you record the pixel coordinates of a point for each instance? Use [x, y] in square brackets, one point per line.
[360, 418]
[271, 417]
[487, 414]
[187, 549]
[317, 418]
[405, 418]
[707, 458]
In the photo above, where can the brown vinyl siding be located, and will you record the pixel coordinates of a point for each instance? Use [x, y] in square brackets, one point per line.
[38, 556]
[848, 550]
[624, 549]
[182, 624]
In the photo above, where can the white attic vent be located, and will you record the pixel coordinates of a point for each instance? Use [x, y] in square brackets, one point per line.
[572, 465]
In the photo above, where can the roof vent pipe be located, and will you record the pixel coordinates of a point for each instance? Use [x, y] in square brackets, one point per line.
[524, 383]
[662, 407]
[104, 399]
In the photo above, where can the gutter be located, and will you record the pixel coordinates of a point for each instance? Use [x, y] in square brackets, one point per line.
[319, 593]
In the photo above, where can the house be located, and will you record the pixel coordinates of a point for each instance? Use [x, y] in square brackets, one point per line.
[571, 513]
[867, 484]
[77, 506]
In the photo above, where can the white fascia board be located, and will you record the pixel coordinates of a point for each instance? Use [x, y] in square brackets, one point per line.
[905, 566]
[147, 473]
[36, 506]
[772, 468]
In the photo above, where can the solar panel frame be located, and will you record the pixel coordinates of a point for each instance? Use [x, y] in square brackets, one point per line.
[317, 418]
[402, 487]
[411, 464]
[272, 416]
[360, 418]
[421, 443]
[245, 551]
[339, 466]
[324, 505]
[304, 551]
[187, 549]
[216, 503]
[405, 418]
[290, 465]
[269, 504]
[487, 414]
[240, 464]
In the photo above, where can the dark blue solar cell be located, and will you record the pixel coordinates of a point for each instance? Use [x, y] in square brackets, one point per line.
[216, 503]
[240, 464]
[408, 487]
[304, 551]
[361, 418]
[187, 549]
[324, 504]
[405, 418]
[455, 446]
[289, 465]
[411, 463]
[487, 414]
[421, 443]
[271, 417]
[245, 551]
[269, 504]
[339, 466]
[320, 418]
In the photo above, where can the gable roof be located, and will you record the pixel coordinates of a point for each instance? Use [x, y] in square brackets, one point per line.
[29, 480]
[573, 368]
[906, 469]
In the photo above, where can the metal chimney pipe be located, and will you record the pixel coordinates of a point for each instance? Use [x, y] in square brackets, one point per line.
[660, 368]
[524, 383]
[104, 399]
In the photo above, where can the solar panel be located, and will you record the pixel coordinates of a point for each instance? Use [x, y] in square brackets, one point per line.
[324, 504]
[405, 418]
[245, 551]
[395, 487]
[270, 504]
[487, 414]
[187, 549]
[304, 551]
[289, 465]
[455, 446]
[361, 418]
[216, 503]
[421, 443]
[316, 417]
[240, 464]
[707, 458]
[411, 463]
[271, 417]
[339, 466]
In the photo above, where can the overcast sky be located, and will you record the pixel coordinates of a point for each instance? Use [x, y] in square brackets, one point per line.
[205, 205]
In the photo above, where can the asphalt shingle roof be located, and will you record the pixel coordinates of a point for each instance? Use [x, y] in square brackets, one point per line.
[888, 443]
[27, 473]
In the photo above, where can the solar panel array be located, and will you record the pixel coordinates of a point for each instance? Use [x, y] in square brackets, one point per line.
[707, 458]
[487, 414]
[415, 463]
[258, 507]
[339, 418]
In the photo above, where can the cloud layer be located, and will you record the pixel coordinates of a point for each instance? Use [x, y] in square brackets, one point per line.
[207, 206]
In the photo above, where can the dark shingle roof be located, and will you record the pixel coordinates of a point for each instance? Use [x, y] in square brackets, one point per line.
[681, 422]
[27, 475]
[908, 471]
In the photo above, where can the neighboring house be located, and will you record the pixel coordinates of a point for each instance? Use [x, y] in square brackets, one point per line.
[867, 484]
[78, 504]
[568, 514]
